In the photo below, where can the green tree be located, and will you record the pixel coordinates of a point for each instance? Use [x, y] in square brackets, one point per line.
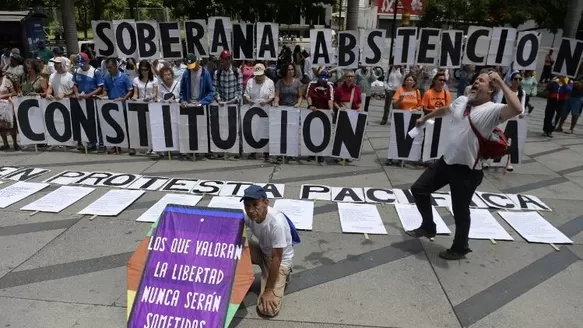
[461, 13]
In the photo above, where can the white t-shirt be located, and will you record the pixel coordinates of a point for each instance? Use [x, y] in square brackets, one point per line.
[61, 83]
[145, 89]
[462, 147]
[273, 232]
[51, 65]
[173, 89]
[260, 92]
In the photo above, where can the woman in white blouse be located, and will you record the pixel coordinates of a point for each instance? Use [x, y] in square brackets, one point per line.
[260, 89]
[168, 88]
[145, 84]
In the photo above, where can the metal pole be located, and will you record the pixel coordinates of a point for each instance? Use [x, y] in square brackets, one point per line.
[393, 31]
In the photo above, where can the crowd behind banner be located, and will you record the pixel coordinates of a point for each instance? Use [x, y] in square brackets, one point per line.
[169, 127]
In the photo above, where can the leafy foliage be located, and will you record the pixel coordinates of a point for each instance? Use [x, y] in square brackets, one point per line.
[460, 13]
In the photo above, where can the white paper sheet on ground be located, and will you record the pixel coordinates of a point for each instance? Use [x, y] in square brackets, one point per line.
[59, 199]
[67, 177]
[19, 191]
[485, 226]
[6, 170]
[148, 183]
[528, 202]
[534, 228]
[113, 202]
[360, 218]
[154, 212]
[300, 212]
[495, 200]
[411, 218]
[348, 195]
[227, 202]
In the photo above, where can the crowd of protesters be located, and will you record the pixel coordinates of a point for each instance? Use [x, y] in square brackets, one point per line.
[292, 80]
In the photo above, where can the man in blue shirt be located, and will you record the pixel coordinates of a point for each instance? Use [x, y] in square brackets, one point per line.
[116, 84]
[88, 84]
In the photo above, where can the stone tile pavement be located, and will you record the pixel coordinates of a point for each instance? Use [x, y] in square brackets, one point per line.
[64, 271]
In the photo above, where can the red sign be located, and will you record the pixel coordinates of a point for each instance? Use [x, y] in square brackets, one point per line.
[411, 7]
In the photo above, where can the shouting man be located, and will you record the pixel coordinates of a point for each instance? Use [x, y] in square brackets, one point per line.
[273, 253]
[460, 166]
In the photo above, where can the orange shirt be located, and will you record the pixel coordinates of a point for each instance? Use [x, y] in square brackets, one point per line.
[433, 100]
[411, 101]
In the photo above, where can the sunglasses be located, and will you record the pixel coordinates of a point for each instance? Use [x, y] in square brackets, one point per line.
[517, 79]
[441, 80]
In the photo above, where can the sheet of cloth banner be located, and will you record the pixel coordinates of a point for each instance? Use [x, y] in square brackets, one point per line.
[200, 287]
[166, 127]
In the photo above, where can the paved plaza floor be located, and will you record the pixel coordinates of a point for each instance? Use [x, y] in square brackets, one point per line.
[64, 271]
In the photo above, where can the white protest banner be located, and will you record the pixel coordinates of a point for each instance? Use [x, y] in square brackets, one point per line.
[124, 32]
[235, 188]
[527, 46]
[284, 131]
[372, 44]
[172, 44]
[405, 46]
[19, 191]
[154, 212]
[379, 195]
[103, 36]
[148, 40]
[179, 185]
[138, 119]
[112, 122]
[197, 40]
[477, 45]
[112, 203]
[316, 132]
[267, 40]
[495, 200]
[348, 49]
[360, 218]
[243, 41]
[401, 145]
[300, 212]
[59, 131]
[428, 50]
[411, 218]
[219, 29]
[84, 120]
[451, 49]
[67, 177]
[7, 170]
[208, 187]
[273, 190]
[255, 128]
[501, 51]
[150, 183]
[31, 122]
[534, 228]
[107, 179]
[59, 199]
[436, 138]
[164, 122]
[193, 130]
[321, 48]
[568, 58]
[515, 131]
[349, 133]
[224, 128]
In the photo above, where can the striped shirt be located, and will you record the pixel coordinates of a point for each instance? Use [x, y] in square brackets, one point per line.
[228, 87]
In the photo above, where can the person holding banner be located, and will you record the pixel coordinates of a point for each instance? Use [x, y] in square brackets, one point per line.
[9, 88]
[168, 86]
[116, 86]
[61, 84]
[228, 81]
[34, 84]
[145, 84]
[88, 83]
[408, 97]
[460, 166]
[196, 85]
[348, 95]
[271, 248]
[288, 90]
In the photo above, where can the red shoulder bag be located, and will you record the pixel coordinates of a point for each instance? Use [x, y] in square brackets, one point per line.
[495, 147]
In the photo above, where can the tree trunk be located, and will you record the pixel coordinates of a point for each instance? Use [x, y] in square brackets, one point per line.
[571, 23]
[69, 26]
[97, 9]
[352, 14]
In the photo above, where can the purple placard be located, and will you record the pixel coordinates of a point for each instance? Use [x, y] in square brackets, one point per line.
[189, 273]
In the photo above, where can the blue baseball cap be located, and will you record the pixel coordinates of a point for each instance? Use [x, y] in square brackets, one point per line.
[254, 192]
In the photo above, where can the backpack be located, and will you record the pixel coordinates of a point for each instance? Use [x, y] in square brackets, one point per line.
[494, 147]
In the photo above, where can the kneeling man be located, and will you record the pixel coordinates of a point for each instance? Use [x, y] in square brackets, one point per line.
[274, 253]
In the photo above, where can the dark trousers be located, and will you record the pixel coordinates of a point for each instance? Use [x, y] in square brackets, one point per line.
[462, 182]
[528, 105]
[388, 104]
[366, 103]
[553, 112]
